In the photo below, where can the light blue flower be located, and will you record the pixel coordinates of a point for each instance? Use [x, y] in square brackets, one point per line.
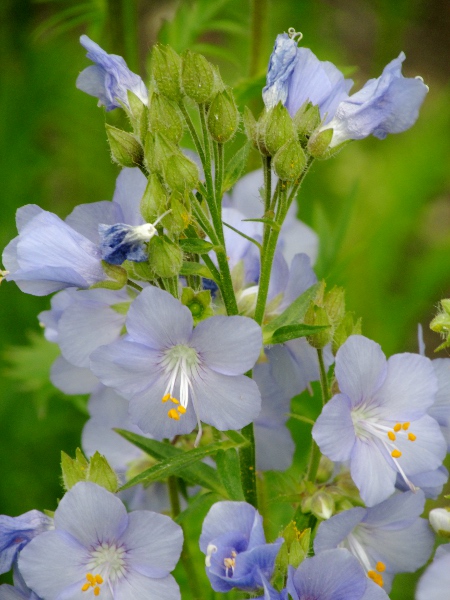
[17, 532]
[435, 582]
[109, 79]
[234, 544]
[20, 591]
[176, 376]
[50, 254]
[430, 482]
[388, 538]
[389, 104]
[97, 548]
[379, 422]
[332, 575]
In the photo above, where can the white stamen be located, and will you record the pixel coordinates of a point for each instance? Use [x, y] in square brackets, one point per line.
[210, 550]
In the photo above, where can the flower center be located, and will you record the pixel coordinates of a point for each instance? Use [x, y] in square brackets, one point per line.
[108, 564]
[180, 364]
[368, 427]
[357, 549]
[229, 563]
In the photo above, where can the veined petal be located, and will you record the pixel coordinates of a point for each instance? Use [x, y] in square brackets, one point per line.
[71, 379]
[136, 586]
[158, 320]
[334, 431]
[408, 389]
[428, 450]
[360, 368]
[371, 472]
[91, 514]
[130, 187]
[333, 531]
[435, 582]
[85, 218]
[226, 402]
[228, 345]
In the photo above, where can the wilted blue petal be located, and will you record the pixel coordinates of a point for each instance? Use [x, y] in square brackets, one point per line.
[120, 242]
[282, 61]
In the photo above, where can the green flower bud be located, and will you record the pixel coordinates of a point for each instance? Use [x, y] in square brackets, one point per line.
[179, 217]
[260, 133]
[149, 153]
[165, 117]
[345, 329]
[279, 128]
[318, 143]
[125, 149]
[325, 470]
[138, 114]
[164, 256]
[223, 117]
[139, 271]
[322, 505]
[97, 470]
[198, 77]
[289, 161]
[154, 200]
[199, 303]
[334, 304]
[166, 71]
[317, 315]
[441, 324]
[180, 172]
[306, 120]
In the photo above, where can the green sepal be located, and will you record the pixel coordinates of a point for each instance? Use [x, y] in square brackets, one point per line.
[164, 117]
[96, 470]
[198, 77]
[194, 268]
[196, 246]
[292, 332]
[137, 113]
[101, 473]
[223, 117]
[318, 143]
[199, 303]
[235, 167]
[165, 257]
[121, 307]
[73, 469]
[166, 71]
[177, 465]
[125, 148]
[119, 277]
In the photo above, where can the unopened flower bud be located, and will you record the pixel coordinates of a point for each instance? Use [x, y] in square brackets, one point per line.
[441, 324]
[279, 128]
[223, 117]
[306, 120]
[317, 315]
[318, 143]
[199, 303]
[154, 200]
[166, 71]
[322, 505]
[180, 172]
[334, 304]
[125, 149]
[440, 521]
[325, 470]
[164, 117]
[347, 327]
[198, 77]
[289, 161]
[180, 213]
[137, 113]
[164, 256]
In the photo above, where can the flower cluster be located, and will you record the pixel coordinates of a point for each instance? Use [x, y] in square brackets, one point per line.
[189, 302]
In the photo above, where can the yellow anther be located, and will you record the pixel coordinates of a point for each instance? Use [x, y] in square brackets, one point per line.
[371, 574]
[174, 400]
[99, 579]
[411, 437]
[229, 563]
[173, 414]
[90, 578]
[165, 398]
[181, 410]
[391, 436]
[233, 554]
[85, 587]
[406, 425]
[381, 567]
[396, 453]
[96, 591]
[397, 427]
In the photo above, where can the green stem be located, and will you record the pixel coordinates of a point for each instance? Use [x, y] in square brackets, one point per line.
[247, 466]
[219, 168]
[186, 558]
[134, 285]
[314, 457]
[207, 149]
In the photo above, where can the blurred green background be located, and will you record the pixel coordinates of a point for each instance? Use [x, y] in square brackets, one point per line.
[382, 208]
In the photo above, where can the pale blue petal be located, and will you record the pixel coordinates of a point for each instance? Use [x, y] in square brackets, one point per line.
[282, 61]
[371, 472]
[85, 218]
[228, 345]
[294, 365]
[130, 187]
[408, 389]
[374, 591]
[153, 543]
[430, 482]
[435, 582]
[440, 410]
[301, 277]
[159, 320]
[334, 431]
[91, 514]
[225, 402]
[397, 512]
[334, 531]
[251, 564]
[26, 213]
[360, 368]
[71, 379]
[136, 586]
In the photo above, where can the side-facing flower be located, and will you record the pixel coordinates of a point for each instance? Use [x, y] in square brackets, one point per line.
[109, 79]
[17, 532]
[97, 549]
[332, 574]
[176, 376]
[388, 538]
[378, 422]
[235, 547]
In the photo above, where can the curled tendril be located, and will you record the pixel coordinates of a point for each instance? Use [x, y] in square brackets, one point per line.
[295, 35]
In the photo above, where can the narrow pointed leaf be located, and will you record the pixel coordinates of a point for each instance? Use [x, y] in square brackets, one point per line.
[294, 314]
[292, 332]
